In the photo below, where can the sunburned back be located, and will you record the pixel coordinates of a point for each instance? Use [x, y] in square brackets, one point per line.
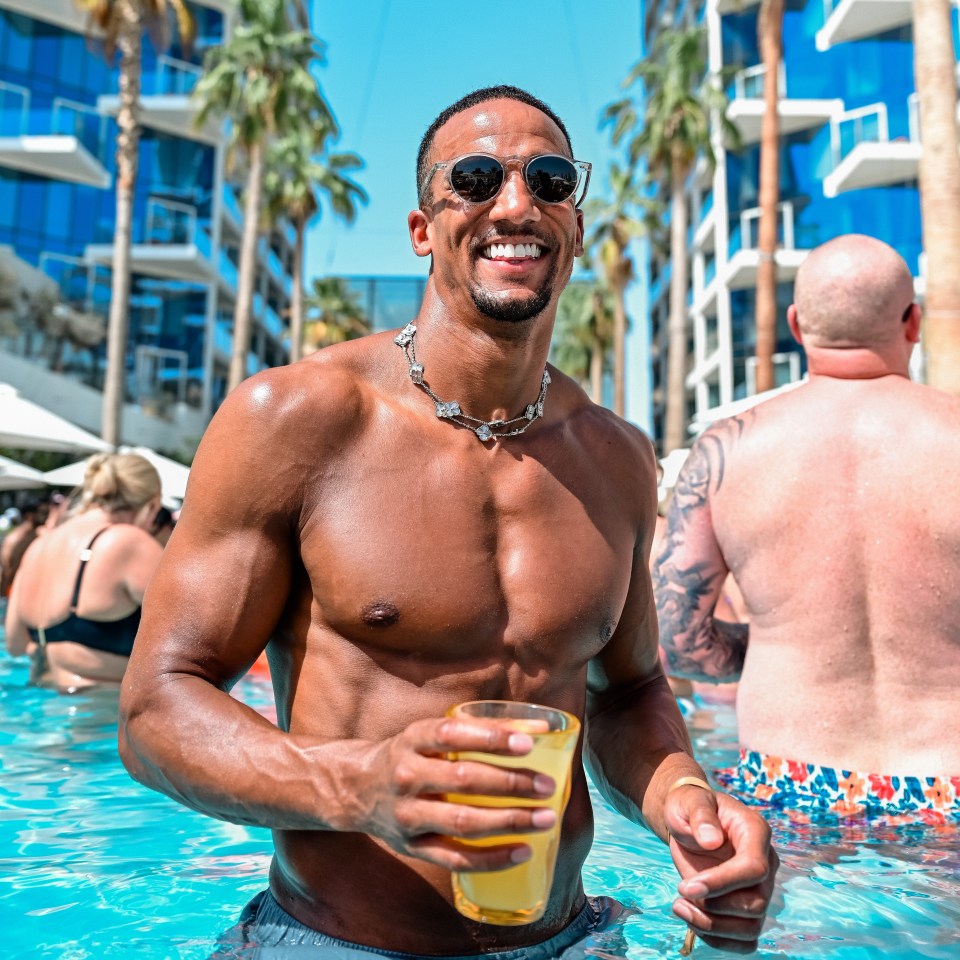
[837, 517]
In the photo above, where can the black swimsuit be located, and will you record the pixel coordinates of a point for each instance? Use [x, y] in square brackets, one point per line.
[110, 636]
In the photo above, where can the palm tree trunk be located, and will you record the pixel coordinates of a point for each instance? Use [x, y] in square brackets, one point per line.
[619, 348]
[770, 27]
[596, 352]
[936, 80]
[676, 419]
[296, 299]
[129, 42]
[243, 316]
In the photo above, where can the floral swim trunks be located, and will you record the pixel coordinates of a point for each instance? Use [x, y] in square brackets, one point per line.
[763, 779]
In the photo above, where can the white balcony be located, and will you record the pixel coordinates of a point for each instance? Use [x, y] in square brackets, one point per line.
[865, 156]
[735, 6]
[176, 247]
[704, 235]
[856, 19]
[60, 13]
[63, 141]
[705, 300]
[166, 103]
[741, 270]
[746, 108]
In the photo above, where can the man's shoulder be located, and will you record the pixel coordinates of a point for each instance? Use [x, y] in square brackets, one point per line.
[601, 430]
[326, 391]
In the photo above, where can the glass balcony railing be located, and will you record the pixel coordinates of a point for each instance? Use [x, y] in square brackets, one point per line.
[709, 271]
[19, 116]
[223, 336]
[228, 270]
[863, 125]
[272, 323]
[231, 203]
[171, 77]
[748, 83]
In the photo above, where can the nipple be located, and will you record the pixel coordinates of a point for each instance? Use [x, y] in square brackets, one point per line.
[380, 613]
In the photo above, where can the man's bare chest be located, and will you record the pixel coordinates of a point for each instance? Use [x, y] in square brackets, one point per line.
[400, 554]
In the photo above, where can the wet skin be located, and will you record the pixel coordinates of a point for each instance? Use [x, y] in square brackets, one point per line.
[397, 566]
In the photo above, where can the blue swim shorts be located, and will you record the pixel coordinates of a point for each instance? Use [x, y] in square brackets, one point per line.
[266, 931]
[762, 779]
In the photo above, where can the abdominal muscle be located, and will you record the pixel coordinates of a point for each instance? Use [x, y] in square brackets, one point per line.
[356, 888]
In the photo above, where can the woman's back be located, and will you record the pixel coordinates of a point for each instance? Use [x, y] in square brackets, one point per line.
[75, 602]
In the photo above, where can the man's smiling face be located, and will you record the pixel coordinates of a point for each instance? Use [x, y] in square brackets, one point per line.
[512, 255]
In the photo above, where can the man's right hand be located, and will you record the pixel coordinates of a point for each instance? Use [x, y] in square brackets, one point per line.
[404, 783]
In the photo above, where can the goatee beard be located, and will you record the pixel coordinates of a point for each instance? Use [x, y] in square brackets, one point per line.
[510, 310]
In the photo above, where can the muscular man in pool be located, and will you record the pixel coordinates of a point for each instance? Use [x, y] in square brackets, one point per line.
[828, 505]
[398, 563]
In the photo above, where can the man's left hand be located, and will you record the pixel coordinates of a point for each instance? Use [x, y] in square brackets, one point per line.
[727, 867]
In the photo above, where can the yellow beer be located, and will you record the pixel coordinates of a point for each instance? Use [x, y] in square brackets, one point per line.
[519, 894]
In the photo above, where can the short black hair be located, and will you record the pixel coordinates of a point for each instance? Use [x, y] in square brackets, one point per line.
[499, 92]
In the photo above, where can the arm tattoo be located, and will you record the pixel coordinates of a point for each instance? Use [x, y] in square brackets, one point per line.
[687, 586]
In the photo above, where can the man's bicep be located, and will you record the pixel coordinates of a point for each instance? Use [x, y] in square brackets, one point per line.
[224, 578]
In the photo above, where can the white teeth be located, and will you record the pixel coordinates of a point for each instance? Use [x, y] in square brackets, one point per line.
[512, 251]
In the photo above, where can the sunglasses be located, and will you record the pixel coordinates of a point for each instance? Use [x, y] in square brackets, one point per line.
[479, 178]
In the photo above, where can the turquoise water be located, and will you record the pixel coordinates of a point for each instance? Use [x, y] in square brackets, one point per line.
[94, 866]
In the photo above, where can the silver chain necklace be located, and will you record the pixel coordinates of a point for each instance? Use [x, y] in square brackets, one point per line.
[450, 409]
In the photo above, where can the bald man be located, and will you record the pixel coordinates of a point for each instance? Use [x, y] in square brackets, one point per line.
[835, 508]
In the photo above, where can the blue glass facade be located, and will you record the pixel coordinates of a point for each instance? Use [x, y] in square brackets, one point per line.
[848, 163]
[58, 100]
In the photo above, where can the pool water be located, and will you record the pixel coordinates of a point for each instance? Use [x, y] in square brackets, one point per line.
[92, 865]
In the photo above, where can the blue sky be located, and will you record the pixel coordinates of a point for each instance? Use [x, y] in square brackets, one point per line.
[393, 65]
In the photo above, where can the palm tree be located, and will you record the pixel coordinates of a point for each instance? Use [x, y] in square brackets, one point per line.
[290, 184]
[770, 37]
[675, 130]
[613, 224]
[260, 80]
[123, 23]
[583, 335]
[334, 314]
[936, 80]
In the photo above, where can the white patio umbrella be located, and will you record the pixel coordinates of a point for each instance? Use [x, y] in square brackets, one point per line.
[173, 475]
[29, 426]
[18, 476]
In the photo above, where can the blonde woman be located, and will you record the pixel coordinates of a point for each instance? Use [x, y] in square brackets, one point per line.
[75, 602]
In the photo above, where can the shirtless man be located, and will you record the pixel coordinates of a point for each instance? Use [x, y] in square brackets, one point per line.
[828, 505]
[398, 564]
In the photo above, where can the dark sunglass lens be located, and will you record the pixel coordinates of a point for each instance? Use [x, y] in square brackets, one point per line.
[476, 179]
[551, 179]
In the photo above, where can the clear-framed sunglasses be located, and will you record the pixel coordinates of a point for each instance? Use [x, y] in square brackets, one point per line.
[479, 177]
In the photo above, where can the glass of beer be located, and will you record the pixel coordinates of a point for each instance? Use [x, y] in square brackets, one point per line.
[518, 894]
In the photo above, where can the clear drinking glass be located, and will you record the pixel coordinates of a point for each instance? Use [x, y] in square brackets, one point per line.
[518, 894]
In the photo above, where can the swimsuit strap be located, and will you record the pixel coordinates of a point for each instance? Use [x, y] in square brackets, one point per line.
[84, 557]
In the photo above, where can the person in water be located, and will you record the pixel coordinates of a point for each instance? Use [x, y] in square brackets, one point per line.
[408, 521]
[828, 505]
[15, 543]
[75, 603]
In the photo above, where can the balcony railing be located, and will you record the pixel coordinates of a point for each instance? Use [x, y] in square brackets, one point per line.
[746, 236]
[172, 77]
[170, 222]
[63, 117]
[748, 83]
[863, 125]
